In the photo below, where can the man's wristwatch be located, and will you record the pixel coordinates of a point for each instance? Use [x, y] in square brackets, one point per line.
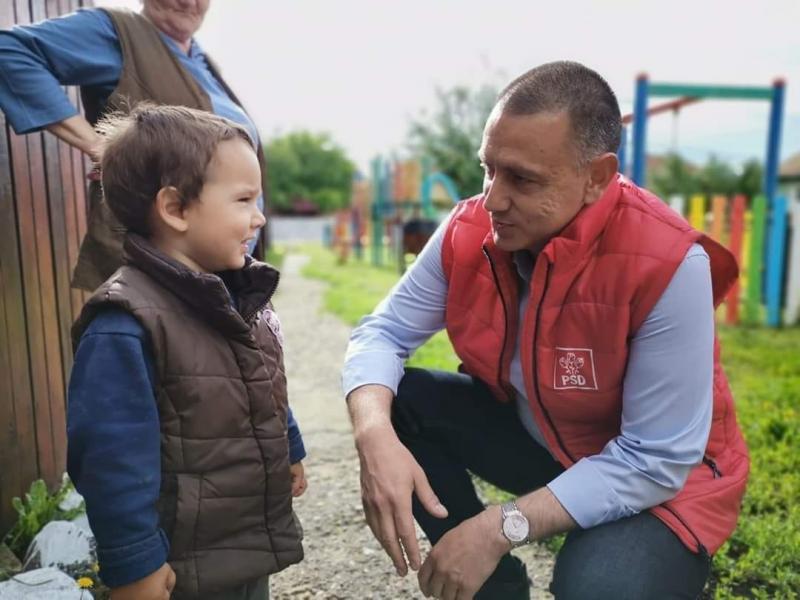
[515, 526]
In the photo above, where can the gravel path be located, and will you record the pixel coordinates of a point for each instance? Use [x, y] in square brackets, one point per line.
[342, 560]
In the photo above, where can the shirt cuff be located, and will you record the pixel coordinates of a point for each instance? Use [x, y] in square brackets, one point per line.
[381, 368]
[587, 497]
[125, 564]
[26, 121]
[297, 450]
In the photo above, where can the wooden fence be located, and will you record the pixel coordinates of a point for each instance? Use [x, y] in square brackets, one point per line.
[766, 243]
[42, 220]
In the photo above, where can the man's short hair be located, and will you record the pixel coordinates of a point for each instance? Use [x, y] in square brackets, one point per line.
[580, 92]
[152, 147]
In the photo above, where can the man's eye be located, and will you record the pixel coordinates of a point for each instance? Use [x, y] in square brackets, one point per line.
[522, 180]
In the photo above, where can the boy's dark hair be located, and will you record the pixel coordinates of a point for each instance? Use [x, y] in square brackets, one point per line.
[153, 147]
[583, 94]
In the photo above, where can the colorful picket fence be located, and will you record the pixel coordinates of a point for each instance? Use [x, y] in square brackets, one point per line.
[766, 243]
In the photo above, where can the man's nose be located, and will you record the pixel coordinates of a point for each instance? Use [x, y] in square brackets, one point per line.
[494, 198]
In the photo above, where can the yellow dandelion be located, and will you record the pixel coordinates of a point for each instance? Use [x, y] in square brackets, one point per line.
[96, 567]
[85, 582]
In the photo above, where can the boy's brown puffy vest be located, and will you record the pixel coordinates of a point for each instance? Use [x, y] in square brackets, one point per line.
[150, 71]
[225, 500]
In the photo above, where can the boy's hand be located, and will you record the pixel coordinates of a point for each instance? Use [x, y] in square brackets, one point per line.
[299, 483]
[156, 586]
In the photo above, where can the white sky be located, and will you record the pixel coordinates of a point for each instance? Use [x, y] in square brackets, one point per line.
[360, 69]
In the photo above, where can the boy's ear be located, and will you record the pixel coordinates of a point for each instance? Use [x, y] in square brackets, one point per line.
[170, 210]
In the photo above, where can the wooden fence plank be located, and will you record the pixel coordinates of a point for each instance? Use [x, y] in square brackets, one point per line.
[735, 246]
[755, 265]
[17, 436]
[776, 260]
[23, 152]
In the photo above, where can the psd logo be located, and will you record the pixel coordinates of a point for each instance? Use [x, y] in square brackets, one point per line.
[574, 369]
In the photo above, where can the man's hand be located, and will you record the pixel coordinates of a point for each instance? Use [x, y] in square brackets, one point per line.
[299, 483]
[156, 586]
[389, 476]
[464, 558]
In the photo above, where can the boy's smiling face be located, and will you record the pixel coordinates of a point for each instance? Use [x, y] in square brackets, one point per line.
[215, 228]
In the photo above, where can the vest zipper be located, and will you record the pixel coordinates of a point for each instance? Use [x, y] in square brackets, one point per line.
[263, 305]
[505, 320]
[536, 367]
[700, 547]
[713, 466]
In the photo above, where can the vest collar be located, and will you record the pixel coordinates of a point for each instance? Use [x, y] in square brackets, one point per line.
[208, 293]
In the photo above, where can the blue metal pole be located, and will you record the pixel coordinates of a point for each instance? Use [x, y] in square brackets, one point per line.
[776, 251]
[774, 140]
[622, 150]
[640, 130]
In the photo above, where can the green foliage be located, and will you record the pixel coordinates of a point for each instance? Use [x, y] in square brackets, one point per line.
[451, 135]
[762, 558]
[308, 166]
[677, 176]
[37, 510]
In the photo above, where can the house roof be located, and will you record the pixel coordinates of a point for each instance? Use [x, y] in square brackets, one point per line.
[790, 168]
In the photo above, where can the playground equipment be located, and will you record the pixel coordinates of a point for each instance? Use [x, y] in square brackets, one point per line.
[758, 231]
[394, 211]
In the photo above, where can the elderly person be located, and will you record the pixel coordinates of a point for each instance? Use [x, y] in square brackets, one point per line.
[118, 58]
[582, 309]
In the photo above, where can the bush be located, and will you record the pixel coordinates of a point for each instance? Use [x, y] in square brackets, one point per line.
[36, 511]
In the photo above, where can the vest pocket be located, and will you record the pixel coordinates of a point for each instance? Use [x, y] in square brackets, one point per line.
[187, 508]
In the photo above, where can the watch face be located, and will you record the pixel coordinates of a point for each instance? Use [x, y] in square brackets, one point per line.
[515, 528]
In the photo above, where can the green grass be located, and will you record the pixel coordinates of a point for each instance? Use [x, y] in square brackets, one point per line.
[762, 559]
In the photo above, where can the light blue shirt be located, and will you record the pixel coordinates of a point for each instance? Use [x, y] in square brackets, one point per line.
[667, 390]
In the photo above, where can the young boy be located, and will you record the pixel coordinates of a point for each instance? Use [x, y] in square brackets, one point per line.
[177, 410]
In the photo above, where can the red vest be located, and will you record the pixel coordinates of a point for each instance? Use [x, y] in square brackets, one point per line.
[592, 287]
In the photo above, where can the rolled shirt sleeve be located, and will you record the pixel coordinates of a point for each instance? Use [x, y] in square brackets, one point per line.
[410, 314]
[667, 408]
[297, 449]
[36, 60]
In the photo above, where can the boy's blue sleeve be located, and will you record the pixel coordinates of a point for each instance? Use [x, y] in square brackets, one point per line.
[297, 450]
[114, 448]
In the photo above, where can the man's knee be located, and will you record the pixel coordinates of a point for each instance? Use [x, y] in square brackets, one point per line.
[636, 558]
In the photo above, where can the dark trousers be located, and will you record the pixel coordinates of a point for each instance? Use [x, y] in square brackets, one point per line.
[453, 426]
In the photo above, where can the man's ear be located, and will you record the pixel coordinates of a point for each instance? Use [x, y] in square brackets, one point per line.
[602, 170]
[169, 209]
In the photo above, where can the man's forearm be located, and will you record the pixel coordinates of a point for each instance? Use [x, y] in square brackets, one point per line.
[77, 132]
[544, 513]
[370, 408]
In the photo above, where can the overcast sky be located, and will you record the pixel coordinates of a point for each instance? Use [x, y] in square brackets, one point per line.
[360, 69]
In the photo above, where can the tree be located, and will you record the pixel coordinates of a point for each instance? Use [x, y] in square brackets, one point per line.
[675, 177]
[308, 166]
[451, 135]
[751, 180]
